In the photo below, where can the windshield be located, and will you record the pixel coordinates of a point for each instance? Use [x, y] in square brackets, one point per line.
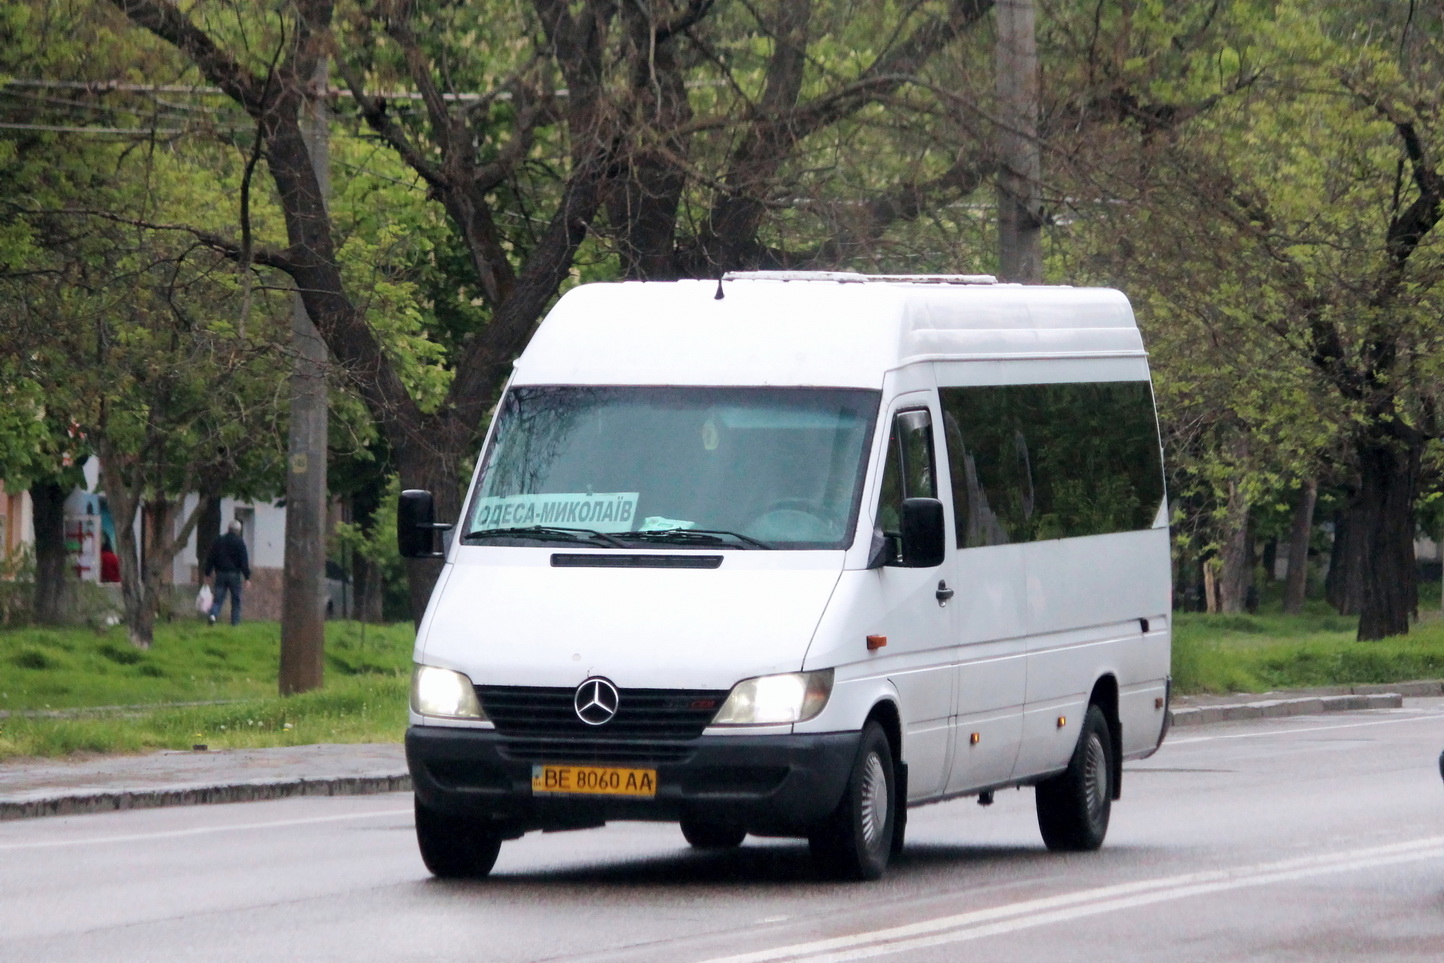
[699, 467]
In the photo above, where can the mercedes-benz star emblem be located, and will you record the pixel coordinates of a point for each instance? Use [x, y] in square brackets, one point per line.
[596, 701]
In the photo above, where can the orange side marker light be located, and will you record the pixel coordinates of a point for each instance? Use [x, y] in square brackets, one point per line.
[875, 642]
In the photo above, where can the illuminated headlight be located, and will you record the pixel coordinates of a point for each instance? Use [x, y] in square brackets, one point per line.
[771, 700]
[442, 692]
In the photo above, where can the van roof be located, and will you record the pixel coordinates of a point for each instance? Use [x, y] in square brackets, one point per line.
[815, 328]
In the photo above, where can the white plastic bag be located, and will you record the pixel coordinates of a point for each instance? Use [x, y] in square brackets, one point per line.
[204, 598]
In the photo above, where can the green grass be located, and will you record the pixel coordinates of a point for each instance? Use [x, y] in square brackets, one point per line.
[52, 680]
[1259, 653]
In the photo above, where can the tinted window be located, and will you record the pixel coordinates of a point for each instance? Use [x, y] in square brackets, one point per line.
[1033, 462]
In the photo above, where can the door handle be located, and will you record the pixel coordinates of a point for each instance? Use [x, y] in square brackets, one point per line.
[944, 593]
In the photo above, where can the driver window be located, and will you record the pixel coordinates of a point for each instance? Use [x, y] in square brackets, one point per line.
[908, 471]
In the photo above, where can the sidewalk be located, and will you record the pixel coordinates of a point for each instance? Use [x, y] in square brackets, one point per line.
[52, 787]
[48, 787]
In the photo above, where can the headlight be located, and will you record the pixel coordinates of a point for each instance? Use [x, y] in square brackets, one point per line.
[442, 692]
[771, 700]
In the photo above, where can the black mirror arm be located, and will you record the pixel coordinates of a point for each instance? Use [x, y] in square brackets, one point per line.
[877, 551]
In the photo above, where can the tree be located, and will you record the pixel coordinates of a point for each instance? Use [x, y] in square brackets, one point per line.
[1286, 158]
[684, 133]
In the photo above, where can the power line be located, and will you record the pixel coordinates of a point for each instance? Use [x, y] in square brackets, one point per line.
[121, 131]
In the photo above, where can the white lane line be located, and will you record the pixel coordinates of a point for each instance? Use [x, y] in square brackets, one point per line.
[201, 831]
[965, 927]
[1286, 731]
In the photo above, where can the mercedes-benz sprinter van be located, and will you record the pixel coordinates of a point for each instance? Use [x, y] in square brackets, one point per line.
[788, 553]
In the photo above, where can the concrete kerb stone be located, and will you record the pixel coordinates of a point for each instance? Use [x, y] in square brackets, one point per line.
[49, 803]
[1302, 706]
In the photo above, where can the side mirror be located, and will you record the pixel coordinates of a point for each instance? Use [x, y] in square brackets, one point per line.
[924, 541]
[416, 525]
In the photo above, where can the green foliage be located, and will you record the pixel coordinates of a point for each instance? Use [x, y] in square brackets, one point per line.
[188, 662]
[369, 708]
[196, 684]
[1261, 653]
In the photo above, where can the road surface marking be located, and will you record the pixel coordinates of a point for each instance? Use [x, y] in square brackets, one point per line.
[200, 831]
[978, 924]
[1277, 731]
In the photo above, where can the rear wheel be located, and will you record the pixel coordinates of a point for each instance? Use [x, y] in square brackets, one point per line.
[1074, 806]
[857, 839]
[711, 835]
[454, 847]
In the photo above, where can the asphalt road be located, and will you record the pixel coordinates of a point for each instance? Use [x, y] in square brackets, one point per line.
[1303, 839]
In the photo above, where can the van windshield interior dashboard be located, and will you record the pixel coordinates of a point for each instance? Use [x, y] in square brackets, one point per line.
[742, 468]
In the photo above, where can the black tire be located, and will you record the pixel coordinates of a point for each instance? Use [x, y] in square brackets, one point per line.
[856, 841]
[709, 835]
[1074, 806]
[454, 847]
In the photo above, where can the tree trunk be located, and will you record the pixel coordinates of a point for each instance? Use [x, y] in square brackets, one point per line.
[1020, 221]
[143, 567]
[1344, 586]
[368, 590]
[1296, 583]
[54, 586]
[1210, 587]
[1235, 572]
[1389, 473]
[208, 528]
[435, 466]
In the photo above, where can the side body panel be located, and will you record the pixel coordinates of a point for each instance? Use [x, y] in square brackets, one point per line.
[991, 669]
[1084, 609]
[1088, 600]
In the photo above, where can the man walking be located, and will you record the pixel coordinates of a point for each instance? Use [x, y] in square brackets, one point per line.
[228, 559]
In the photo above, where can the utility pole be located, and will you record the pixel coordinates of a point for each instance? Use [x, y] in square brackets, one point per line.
[303, 597]
[1020, 205]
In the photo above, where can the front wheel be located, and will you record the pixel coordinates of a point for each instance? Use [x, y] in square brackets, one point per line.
[1074, 806]
[454, 847]
[856, 840]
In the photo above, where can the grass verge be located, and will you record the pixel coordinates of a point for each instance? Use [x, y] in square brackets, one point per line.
[1260, 653]
[77, 690]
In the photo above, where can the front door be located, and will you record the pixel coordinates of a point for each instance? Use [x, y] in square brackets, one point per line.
[915, 620]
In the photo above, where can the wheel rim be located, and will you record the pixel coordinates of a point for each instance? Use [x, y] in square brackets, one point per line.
[874, 800]
[1095, 778]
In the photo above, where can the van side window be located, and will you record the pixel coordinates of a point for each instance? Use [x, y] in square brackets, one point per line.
[908, 471]
[1033, 462]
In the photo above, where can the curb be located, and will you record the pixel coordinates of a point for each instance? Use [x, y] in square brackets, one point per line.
[1278, 708]
[101, 802]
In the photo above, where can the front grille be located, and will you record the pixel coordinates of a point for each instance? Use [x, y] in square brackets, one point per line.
[593, 751]
[536, 712]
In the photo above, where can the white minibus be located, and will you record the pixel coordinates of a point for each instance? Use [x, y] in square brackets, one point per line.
[788, 553]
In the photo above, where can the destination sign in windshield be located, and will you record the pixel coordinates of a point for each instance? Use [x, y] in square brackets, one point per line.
[601, 511]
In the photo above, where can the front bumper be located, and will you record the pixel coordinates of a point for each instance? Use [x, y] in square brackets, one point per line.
[770, 785]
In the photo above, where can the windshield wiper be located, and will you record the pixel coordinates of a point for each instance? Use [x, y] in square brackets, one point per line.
[699, 536]
[548, 531]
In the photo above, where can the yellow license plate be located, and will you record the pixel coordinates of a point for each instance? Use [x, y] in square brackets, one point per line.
[594, 780]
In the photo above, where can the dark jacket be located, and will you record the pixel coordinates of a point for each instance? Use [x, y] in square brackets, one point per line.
[228, 554]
